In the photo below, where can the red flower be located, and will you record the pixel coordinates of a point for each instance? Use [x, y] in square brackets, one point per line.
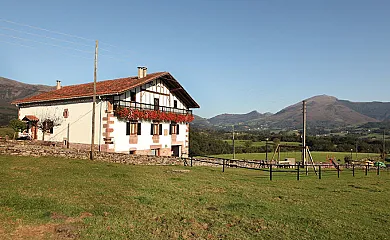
[137, 114]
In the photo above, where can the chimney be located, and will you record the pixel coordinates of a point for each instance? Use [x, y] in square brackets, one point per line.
[142, 72]
[58, 84]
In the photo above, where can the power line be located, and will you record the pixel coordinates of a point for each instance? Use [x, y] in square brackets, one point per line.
[39, 35]
[22, 45]
[52, 38]
[44, 29]
[57, 32]
[54, 45]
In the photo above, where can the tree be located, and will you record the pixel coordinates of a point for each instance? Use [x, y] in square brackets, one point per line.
[47, 121]
[17, 125]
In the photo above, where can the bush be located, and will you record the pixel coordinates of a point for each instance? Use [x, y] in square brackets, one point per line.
[6, 131]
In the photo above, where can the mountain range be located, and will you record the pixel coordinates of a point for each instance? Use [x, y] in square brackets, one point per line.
[322, 111]
[11, 90]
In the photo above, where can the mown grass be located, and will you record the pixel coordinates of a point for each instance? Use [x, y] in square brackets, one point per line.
[317, 156]
[92, 200]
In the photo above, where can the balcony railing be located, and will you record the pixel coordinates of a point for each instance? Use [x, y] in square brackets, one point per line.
[146, 106]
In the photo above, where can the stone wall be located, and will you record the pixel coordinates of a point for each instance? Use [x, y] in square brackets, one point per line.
[38, 149]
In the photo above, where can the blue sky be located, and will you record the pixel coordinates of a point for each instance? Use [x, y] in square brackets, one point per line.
[231, 56]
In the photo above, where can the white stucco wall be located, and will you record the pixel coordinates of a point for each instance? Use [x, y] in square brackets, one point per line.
[79, 120]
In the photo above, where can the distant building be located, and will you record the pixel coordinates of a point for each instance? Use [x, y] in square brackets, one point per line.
[148, 114]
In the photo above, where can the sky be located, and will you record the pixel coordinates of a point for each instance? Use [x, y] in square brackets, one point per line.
[232, 56]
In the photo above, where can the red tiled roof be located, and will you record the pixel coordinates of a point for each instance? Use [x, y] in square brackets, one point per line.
[30, 118]
[106, 87]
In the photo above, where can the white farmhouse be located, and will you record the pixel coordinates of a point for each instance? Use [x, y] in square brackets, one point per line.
[148, 115]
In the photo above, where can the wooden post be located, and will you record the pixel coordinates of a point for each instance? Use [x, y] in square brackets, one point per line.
[270, 171]
[353, 170]
[366, 170]
[234, 146]
[338, 171]
[319, 172]
[67, 138]
[191, 161]
[304, 134]
[377, 170]
[94, 102]
[223, 165]
[298, 171]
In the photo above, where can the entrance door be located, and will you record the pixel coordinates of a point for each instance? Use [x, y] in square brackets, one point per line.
[176, 151]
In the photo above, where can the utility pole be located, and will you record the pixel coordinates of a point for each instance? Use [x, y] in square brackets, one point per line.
[384, 146]
[304, 133]
[234, 146]
[94, 102]
[356, 149]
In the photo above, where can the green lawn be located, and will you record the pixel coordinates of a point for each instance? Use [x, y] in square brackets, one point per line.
[54, 198]
[317, 156]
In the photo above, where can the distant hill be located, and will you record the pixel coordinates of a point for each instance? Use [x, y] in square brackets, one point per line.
[377, 110]
[229, 119]
[322, 111]
[11, 90]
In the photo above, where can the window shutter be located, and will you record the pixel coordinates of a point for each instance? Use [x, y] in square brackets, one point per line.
[127, 128]
[160, 129]
[139, 129]
[170, 129]
[151, 129]
[177, 129]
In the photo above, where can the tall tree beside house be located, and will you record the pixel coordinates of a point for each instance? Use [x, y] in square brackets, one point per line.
[47, 121]
[17, 125]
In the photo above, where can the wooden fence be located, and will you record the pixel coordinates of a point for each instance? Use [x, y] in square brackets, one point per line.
[272, 167]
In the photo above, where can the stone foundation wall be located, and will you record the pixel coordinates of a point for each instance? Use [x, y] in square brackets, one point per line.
[38, 149]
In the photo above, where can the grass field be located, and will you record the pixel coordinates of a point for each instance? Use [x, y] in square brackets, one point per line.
[53, 198]
[317, 156]
[241, 143]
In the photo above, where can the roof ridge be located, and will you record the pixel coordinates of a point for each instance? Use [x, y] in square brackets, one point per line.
[107, 80]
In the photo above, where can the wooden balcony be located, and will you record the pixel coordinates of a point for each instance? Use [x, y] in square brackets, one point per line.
[145, 106]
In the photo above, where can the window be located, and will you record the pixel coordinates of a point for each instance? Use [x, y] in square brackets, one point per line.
[133, 128]
[155, 152]
[174, 103]
[48, 126]
[132, 96]
[65, 113]
[156, 129]
[156, 104]
[174, 128]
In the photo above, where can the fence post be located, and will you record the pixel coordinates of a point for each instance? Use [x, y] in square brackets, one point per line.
[307, 173]
[191, 161]
[298, 171]
[270, 171]
[353, 170]
[223, 165]
[377, 170]
[338, 171]
[319, 171]
[366, 169]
